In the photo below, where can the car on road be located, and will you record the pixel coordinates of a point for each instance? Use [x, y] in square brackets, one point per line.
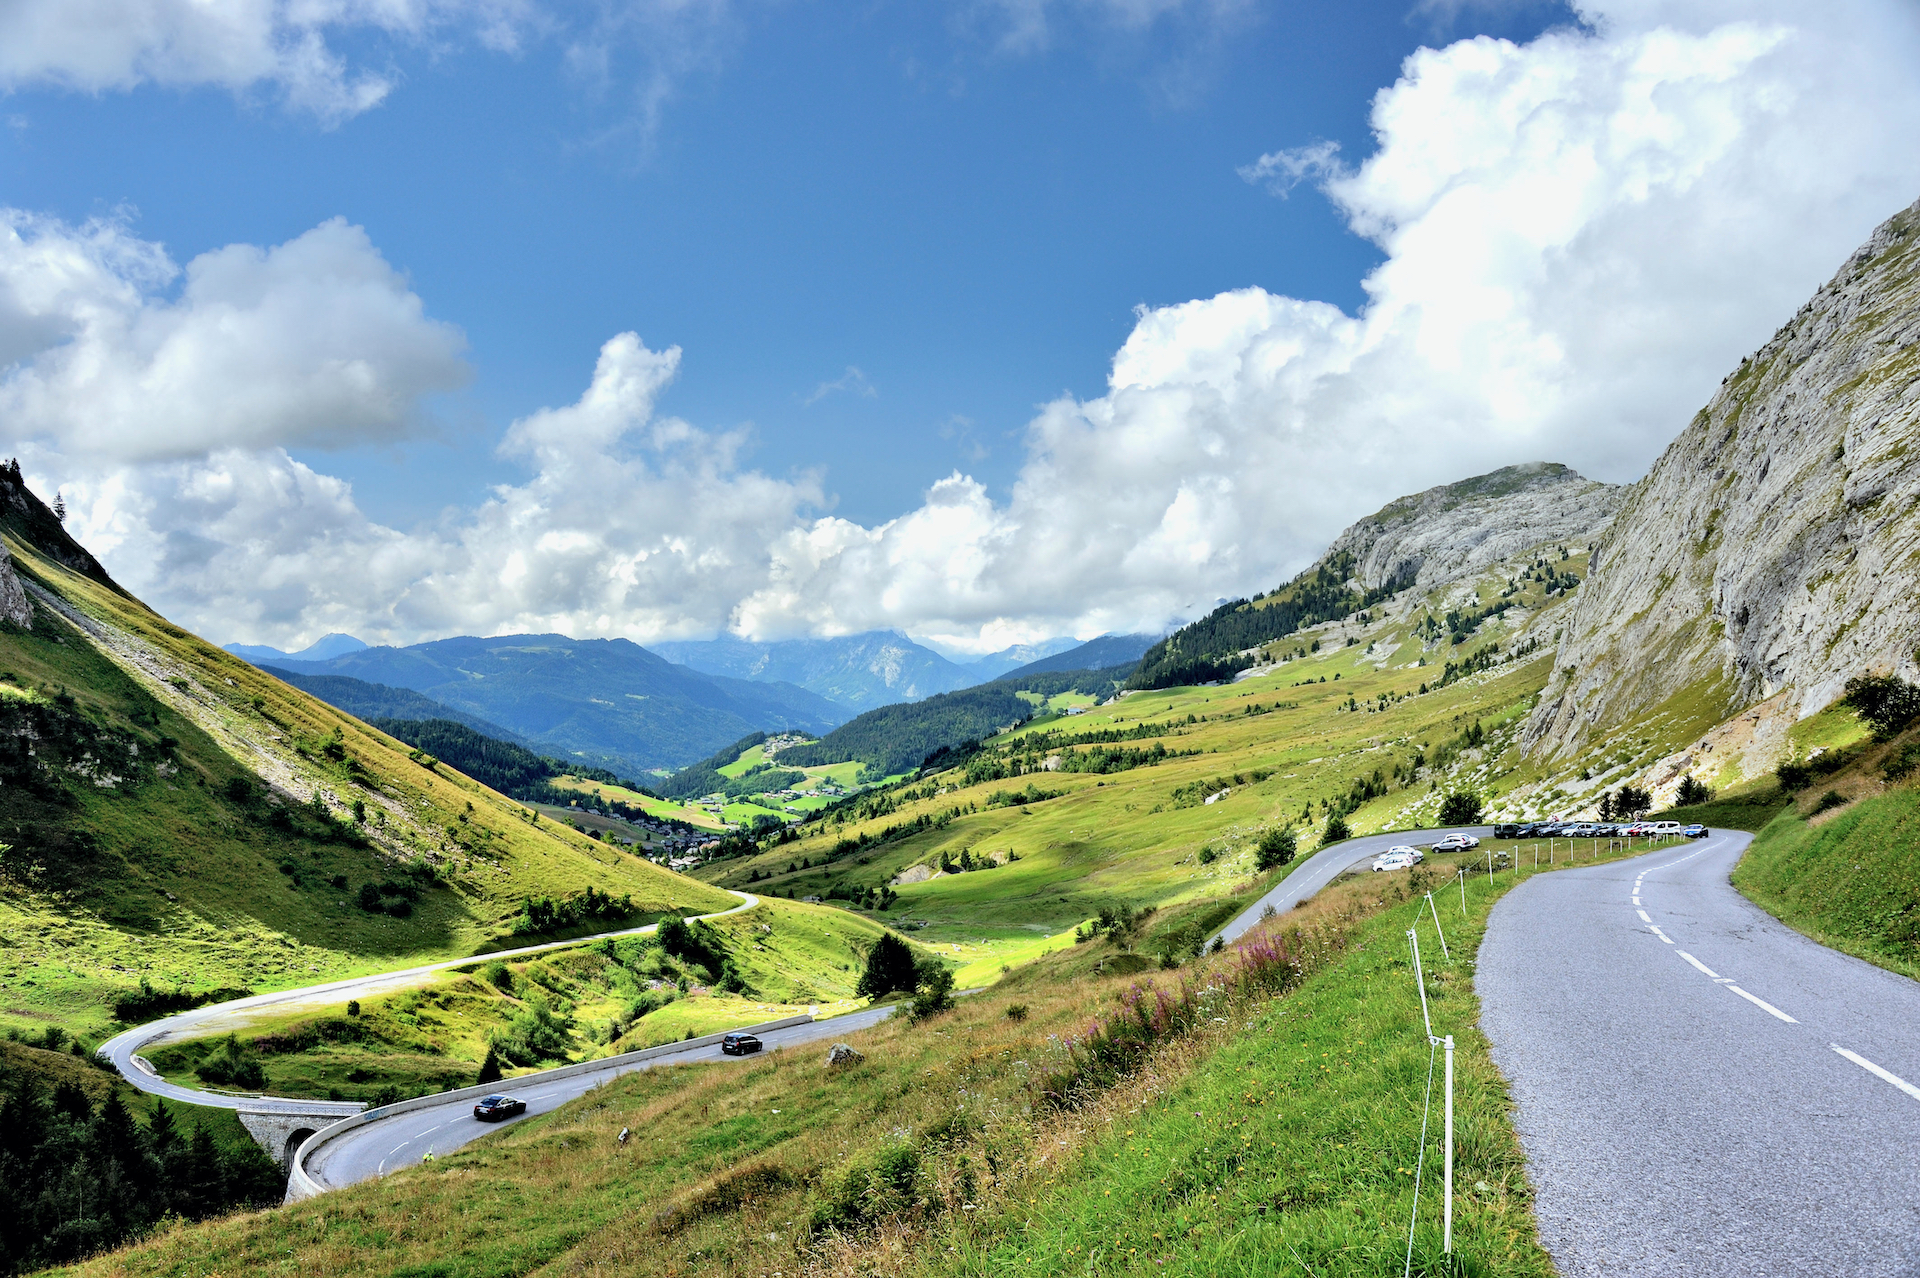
[738, 1044]
[1696, 831]
[493, 1108]
[1456, 843]
[1398, 858]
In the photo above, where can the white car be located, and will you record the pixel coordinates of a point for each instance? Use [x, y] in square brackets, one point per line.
[1666, 827]
[1396, 859]
[1456, 843]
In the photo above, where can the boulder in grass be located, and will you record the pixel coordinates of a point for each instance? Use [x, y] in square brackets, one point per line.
[840, 1055]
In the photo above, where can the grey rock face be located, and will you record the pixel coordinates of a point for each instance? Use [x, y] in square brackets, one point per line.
[13, 596]
[840, 1055]
[1775, 547]
[1459, 530]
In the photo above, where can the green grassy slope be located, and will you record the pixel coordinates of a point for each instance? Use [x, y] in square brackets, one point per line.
[1282, 1128]
[1852, 881]
[185, 818]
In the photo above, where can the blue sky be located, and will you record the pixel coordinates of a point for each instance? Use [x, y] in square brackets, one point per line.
[878, 187]
[990, 321]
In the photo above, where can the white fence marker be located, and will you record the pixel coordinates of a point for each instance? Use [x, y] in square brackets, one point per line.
[1446, 1233]
[1436, 927]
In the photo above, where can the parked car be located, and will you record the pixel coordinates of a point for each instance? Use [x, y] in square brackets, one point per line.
[1508, 831]
[739, 1044]
[1396, 859]
[1531, 830]
[493, 1108]
[1666, 827]
[1636, 830]
[1696, 831]
[1456, 843]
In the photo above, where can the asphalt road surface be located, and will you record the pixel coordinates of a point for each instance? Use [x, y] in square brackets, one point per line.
[221, 1018]
[397, 1141]
[1701, 1090]
[1325, 866]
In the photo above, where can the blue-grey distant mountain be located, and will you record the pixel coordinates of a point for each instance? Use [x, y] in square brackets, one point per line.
[1007, 660]
[1104, 653]
[324, 649]
[860, 672]
[370, 701]
[606, 702]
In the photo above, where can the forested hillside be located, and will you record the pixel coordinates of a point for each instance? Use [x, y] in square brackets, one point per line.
[896, 739]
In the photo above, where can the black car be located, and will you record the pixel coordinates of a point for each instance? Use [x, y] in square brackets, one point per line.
[492, 1108]
[739, 1044]
[1507, 831]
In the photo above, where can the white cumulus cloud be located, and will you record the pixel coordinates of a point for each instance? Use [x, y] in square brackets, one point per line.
[1581, 235]
[318, 341]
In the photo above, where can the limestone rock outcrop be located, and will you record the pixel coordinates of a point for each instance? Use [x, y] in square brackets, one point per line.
[1458, 530]
[13, 596]
[1775, 547]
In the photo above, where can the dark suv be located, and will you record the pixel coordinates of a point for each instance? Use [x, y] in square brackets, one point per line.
[1507, 831]
[739, 1044]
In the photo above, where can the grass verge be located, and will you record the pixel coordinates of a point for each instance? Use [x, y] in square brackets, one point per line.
[1851, 882]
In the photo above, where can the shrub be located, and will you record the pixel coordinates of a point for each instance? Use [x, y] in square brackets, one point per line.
[1335, 832]
[498, 975]
[1207, 855]
[1900, 765]
[353, 1007]
[933, 992]
[232, 1065]
[870, 1192]
[1828, 801]
[1016, 1012]
[370, 898]
[238, 789]
[1460, 807]
[1885, 702]
[1276, 848]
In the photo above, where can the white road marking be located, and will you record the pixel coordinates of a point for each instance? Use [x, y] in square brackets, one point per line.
[1655, 929]
[1644, 916]
[1697, 963]
[1636, 900]
[1762, 1004]
[1871, 1068]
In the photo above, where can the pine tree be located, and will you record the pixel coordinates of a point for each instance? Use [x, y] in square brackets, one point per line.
[489, 1068]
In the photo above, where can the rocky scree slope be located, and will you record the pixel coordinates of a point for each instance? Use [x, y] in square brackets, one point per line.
[1774, 550]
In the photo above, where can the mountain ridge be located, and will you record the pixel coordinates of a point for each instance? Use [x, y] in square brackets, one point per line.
[1772, 551]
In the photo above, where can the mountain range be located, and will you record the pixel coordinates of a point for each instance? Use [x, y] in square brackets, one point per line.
[606, 702]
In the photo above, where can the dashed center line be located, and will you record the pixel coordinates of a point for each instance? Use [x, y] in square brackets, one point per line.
[1871, 1068]
[1762, 1004]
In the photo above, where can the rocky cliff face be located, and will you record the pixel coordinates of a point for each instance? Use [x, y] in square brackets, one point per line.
[1458, 530]
[1774, 550]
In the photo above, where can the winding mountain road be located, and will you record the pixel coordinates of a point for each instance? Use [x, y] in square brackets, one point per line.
[1701, 1090]
[123, 1049]
[1328, 864]
[405, 1138]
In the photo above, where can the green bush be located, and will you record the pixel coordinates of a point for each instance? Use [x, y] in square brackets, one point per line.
[1276, 848]
[1335, 832]
[1901, 764]
[1885, 702]
[933, 991]
[1460, 807]
[1828, 801]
